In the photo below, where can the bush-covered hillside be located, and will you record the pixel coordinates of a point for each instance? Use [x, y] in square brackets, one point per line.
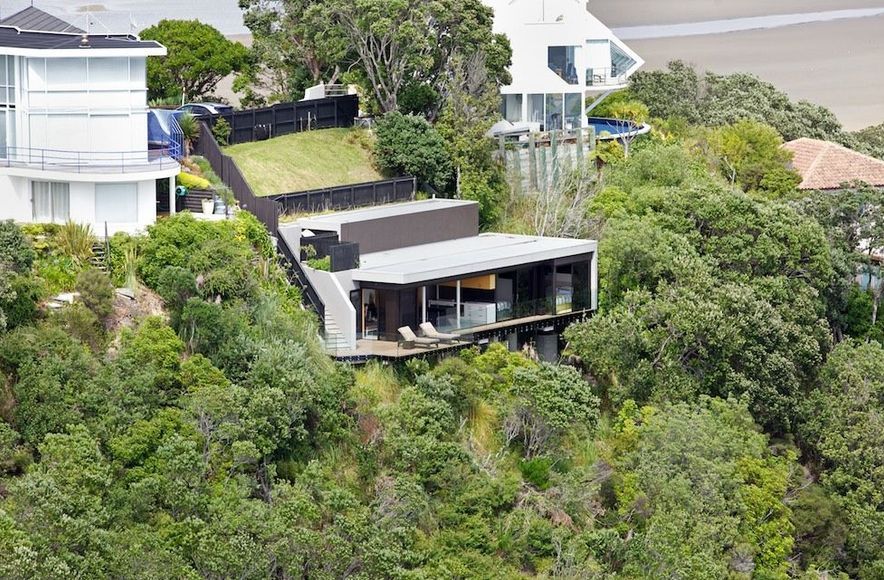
[717, 418]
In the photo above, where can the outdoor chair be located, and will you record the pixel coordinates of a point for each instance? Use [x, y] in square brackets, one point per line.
[411, 340]
[430, 332]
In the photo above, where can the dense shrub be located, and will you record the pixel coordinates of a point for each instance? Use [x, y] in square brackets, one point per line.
[176, 241]
[82, 324]
[750, 154]
[221, 130]
[410, 145]
[191, 181]
[55, 378]
[121, 246]
[716, 100]
[550, 400]
[176, 286]
[96, 292]
[16, 251]
[20, 307]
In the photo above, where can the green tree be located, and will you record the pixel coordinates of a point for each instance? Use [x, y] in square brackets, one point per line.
[674, 92]
[470, 109]
[410, 145]
[55, 380]
[700, 495]
[401, 44]
[296, 45]
[199, 57]
[842, 429]
[716, 100]
[61, 504]
[634, 114]
[190, 131]
[549, 401]
[750, 154]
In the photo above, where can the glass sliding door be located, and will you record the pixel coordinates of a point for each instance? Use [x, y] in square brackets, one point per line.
[554, 112]
[573, 111]
[536, 109]
[370, 314]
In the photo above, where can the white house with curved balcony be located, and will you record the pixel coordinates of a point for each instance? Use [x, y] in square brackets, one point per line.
[74, 127]
[561, 55]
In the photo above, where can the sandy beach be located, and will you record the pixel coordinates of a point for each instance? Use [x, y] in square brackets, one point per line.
[620, 13]
[835, 64]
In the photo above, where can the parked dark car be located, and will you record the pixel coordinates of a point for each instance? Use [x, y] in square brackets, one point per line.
[205, 109]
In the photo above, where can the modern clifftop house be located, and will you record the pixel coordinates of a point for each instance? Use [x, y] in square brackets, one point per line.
[74, 126]
[405, 264]
[825, 165]
[561, 54]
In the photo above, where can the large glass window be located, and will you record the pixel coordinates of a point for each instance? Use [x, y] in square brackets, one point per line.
[573, 111]
[505, 295]
[554, 112]
[562, 60]
[116, 202]
[512, 108]
[52, 201]
[564, 289]
[535, 109]
[7, 104]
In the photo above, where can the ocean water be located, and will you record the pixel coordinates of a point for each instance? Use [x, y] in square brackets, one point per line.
[123, 16]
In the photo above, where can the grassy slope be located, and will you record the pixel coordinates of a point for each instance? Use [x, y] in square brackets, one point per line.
[304, 161]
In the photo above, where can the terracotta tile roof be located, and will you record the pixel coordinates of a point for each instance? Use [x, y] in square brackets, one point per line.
[827, 165]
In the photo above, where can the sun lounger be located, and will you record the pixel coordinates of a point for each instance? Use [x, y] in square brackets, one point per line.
[410, 338]
[430, 332]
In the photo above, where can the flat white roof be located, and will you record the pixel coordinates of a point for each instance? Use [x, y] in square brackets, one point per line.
[333, 221]
[464, 257]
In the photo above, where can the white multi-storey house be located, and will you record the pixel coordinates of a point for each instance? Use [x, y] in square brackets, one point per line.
[74, 127]
[561, 55]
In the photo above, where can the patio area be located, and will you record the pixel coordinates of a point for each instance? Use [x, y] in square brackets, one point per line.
[392, 351]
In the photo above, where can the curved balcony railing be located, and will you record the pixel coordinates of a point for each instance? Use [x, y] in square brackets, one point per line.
[110, 162]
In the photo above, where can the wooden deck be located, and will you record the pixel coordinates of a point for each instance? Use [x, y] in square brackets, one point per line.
[389, 350]
[506, 324]
[479, 335]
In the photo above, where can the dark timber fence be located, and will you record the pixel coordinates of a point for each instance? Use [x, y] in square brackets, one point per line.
[266, 210]
[284, 118]
[349, 196]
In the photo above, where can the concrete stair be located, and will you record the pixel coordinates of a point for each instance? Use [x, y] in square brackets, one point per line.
[99, 258]
[332, 338]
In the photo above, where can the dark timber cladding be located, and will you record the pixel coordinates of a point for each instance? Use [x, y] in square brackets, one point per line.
[412, 229]
[284, 118]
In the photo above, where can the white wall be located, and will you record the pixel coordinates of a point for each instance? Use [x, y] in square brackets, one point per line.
[334, 291]
[533, 26]
[16, 204]
[15, 199]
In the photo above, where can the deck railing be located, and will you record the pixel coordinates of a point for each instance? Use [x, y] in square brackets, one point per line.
[88, 161]
[606, 77]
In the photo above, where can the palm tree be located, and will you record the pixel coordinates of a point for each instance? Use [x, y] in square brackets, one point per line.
[190, 131]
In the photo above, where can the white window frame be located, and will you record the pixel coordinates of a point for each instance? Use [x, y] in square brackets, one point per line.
[53, 188]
